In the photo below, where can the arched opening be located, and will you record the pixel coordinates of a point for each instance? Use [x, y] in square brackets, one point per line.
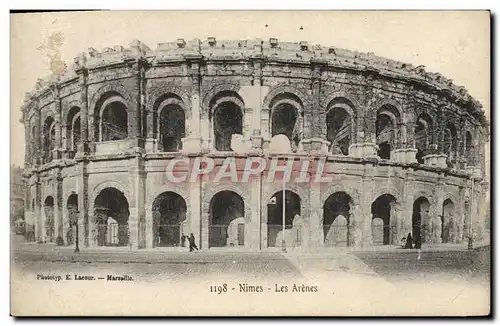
[420, 218]
[227, 220]
[449, 226]
[111, 116]
[382, 220]
[423, 136]
[227, 121]
[385, 130]
[49, 139]
[450, 144]
[469, 149]
[339, 129]
[73, 213]
[169, 217]
[336, 218]
[172, 128]
[111, 214]
[286, 117]
[48, 208]
[73, 131]
[293, 221]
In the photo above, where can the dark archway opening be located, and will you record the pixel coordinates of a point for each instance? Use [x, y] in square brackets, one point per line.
[381, 209]
[384, 130]
[48, 207]
[227, 220]
[111, 216]
[421, 208]
[448, 223]
[172, 128]
[336, 215]
[49, 139]
[169, 216]
[73, 213]
[114, 120]
[423, 133]
[73, 131]
[450, 144]
[338, 125]
[228, 120]
[284, 122]
[293, 220]
[469, 149]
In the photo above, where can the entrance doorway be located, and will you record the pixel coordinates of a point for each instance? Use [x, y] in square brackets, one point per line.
[227, 220]
[169, 216]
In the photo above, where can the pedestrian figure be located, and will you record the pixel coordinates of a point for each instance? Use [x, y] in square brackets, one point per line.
[192, 244]
[183, 240]
[409, 242]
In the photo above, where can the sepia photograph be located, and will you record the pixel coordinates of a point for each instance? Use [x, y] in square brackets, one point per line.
[250, 163]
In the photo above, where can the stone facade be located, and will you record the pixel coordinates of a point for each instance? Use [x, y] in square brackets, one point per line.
[393, 135]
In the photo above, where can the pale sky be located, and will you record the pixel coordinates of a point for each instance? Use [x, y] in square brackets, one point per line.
[453, 43]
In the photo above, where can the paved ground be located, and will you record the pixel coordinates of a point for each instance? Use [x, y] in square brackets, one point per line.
[379, 281]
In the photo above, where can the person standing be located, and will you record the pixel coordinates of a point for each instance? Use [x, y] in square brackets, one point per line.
[183, 240]
[409, 242]
[192, 244]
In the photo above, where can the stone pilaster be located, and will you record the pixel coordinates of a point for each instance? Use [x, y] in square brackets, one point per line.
[192, 143]
[87, 232]
[149, 229]
[252, 229]
[83, 146]
[58, 197]
[316, 237]
[137, 218]
[28, 144]
[362, 231]
[38, 209]
[57, 152]
[38, 135]
[405, 218]
[201, 234]
[135, 114]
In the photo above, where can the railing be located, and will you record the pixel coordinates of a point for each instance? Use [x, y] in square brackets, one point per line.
[383, 234]
[225, 236]
[169, 235]
[113, 234]
[111, 147]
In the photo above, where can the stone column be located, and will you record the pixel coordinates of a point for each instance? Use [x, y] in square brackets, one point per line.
[58, 196]
[405, 219]
[135, 110]
[364, 141]
[38, 209]
[253, 227]
[363, 218]
[87, 231]
[65, 221]
[149, 228]
[83, 146]
[28, 145]
[315, 130]
[57, 121]
[38, 135]
[316, 237]
[192, 142]
[137, 218]
[196, 217]
[266, 127]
